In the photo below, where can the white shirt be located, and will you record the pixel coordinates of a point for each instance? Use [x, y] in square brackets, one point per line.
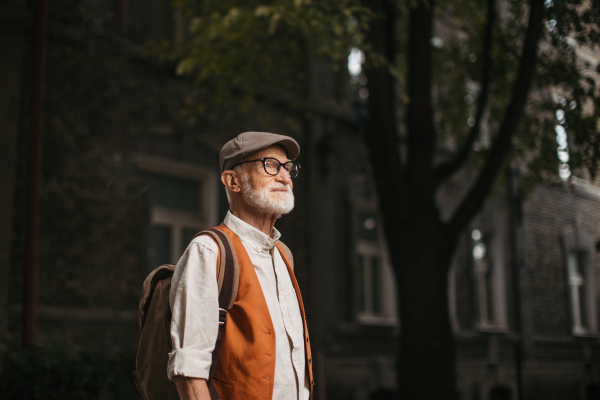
[194, 304]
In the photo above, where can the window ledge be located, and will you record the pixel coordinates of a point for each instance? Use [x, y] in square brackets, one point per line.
[376, 320]
[585, 334]
[490, 328]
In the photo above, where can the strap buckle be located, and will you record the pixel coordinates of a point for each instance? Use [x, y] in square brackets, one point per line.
[222, 316]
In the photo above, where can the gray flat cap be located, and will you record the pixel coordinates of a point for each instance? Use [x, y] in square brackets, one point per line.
[250, 142]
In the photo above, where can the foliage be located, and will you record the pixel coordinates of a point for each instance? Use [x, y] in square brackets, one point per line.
[565, 86]
[562, 82]
[67, 373]
[247, 54]
[242, 51]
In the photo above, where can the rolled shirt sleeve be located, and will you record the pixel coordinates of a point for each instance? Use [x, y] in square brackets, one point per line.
[195, 309]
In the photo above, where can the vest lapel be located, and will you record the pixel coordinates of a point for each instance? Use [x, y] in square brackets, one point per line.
[301, 305]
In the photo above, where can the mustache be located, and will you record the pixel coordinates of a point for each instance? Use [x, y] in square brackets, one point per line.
[279, 186]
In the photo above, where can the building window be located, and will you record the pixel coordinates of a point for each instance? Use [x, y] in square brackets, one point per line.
[483, 269]
[487, 253]
[183, 202]
[577, 292]
[375, 288]
[452, 307]
[578, 248]
[374, 283]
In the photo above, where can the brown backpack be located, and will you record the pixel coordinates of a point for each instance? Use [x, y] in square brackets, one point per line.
[154, 320]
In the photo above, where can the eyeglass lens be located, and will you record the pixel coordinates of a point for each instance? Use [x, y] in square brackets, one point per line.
[272, 167]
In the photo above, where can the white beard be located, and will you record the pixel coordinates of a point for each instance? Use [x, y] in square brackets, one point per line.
[265, 201]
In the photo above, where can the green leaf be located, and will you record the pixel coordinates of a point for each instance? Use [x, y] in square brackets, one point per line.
[274, 22]
[185, 66]
[263, 11]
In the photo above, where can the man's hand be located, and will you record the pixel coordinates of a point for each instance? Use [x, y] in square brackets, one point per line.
[192, 388]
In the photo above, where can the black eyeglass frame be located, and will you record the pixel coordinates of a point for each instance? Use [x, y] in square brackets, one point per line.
[263, 159]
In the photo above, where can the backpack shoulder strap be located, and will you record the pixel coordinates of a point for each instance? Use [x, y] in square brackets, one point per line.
[228, 278]
[288, 253]
[228, 282]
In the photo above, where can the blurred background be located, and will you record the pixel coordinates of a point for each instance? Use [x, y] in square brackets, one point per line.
[447, 217]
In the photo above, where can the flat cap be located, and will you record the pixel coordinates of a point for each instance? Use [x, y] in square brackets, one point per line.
[250, 142]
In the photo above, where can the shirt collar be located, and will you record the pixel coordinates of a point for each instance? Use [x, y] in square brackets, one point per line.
[249, 234]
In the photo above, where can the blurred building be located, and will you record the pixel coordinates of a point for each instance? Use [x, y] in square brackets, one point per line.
[127, 180]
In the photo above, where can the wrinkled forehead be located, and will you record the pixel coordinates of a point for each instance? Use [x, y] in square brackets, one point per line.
[275, 151]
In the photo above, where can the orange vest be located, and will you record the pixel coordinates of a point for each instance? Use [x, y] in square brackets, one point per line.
[246, 365]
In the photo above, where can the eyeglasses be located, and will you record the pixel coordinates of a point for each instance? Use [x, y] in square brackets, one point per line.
[273, 165]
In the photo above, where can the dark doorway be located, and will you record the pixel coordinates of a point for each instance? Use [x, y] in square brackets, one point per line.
[383, 394]
[592, 392]
[500, 393]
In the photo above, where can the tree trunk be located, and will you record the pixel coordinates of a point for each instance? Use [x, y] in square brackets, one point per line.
[426, 363]
[420, 244]
[416, 237]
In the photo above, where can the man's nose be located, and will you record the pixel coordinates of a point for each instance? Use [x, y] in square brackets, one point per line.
[283, 176]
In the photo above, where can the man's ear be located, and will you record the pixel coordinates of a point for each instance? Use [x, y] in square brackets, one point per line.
[231, 180]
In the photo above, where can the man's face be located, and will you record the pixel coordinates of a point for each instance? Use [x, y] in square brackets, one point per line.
[267, 193]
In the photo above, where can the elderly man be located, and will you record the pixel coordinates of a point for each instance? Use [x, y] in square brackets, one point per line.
[265, 352]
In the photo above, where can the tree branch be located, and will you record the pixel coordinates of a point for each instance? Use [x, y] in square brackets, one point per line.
[381, 133]
[448, 168]
[421, 130]
[474, 200]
